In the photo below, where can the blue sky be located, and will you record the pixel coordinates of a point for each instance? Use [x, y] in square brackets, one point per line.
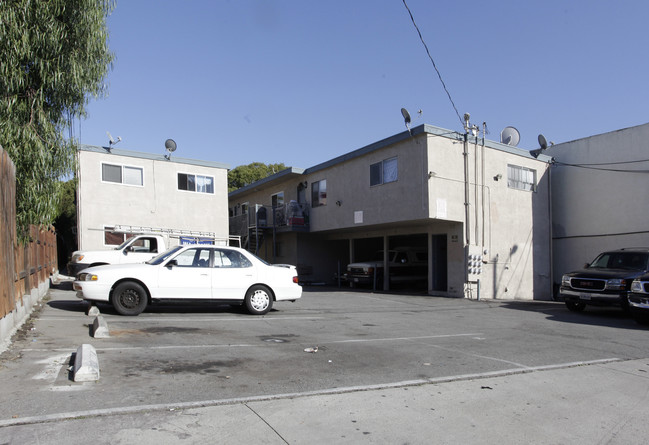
[301, 82]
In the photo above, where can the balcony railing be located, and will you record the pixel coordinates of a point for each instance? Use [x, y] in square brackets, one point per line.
[290, 216]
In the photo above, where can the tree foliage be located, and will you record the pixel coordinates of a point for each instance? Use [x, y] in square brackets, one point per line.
[54, 56]
[247, 174]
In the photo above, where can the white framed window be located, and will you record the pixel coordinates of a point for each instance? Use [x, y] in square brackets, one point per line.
[277, 200]
[195, 183]
[319, 193]
[521, 178]
[122, 174]
[384, 171]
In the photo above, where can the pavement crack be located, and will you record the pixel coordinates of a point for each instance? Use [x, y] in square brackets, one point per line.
[264, 420]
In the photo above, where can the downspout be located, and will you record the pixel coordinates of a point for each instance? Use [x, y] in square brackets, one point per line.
[551, 231]
[484, 134]
[467, 213]
[475, 200]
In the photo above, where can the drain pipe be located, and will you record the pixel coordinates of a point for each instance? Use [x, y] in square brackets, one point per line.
[467, 212]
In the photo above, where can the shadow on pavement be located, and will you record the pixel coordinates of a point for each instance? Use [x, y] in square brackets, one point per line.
[157, 308]
[595, 316]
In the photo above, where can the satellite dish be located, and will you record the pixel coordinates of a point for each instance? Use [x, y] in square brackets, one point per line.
[510, 136]
[112, 141]
[406, 116]
[170, 145]
[543, 142]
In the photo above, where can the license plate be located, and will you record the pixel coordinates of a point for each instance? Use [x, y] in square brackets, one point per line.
[583, 296]
[356, 280]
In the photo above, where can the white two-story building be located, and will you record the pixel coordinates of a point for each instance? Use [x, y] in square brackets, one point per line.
[128, 188]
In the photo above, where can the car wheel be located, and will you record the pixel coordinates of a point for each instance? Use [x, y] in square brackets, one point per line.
[259, 300]
[577, 306]
[129, 298]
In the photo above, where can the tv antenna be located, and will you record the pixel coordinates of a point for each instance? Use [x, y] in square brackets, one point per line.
[510, 136]
[170, 146]
[112, 141]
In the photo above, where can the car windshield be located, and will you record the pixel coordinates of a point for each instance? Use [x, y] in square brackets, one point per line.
[621, 260]
[379, 256]
[163, 256]
[260, 259]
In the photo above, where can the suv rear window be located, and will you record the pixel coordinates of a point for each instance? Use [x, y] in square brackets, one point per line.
[621, 260]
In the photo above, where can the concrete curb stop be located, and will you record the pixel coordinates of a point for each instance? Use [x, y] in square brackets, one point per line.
[92, 311]
[100, 328]
[86, 364]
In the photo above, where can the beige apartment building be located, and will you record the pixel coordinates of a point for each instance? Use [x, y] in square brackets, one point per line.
[478, 209]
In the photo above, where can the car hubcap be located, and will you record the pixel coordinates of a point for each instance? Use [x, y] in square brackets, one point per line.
[129, 299]
[259, 300]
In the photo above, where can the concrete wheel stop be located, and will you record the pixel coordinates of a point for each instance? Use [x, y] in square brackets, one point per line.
[86, 364]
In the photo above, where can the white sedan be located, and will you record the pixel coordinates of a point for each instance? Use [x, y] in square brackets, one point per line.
[195, 272]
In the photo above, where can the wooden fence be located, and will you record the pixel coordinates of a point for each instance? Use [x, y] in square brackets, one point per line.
[22, 268]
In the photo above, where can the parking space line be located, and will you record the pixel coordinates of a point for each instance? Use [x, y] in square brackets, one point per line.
[368, 340]
[481, 356]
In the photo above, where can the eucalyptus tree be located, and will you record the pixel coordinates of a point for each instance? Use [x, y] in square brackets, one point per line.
[54, 57]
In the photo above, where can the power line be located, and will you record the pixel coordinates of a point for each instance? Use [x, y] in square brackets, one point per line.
[588, 167]
[433, 62]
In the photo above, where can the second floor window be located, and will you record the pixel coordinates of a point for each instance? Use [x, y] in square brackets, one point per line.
[319, 193]
[195, 183]
[384, 171]
[277, 200]
[521, 178]
[122, 174]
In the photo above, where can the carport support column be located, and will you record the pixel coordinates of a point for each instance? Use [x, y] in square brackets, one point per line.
[386, 263]
[352, 258]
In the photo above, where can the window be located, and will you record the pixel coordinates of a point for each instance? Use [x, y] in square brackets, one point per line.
[193, 258]
[121, 174]
[145, 245]
[277, 200]
[319, 193]
[384, 172]
[195, 183]
[230, 259]
[114, 238]
[521, 178]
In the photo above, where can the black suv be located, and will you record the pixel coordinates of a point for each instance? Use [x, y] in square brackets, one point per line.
[605, 281]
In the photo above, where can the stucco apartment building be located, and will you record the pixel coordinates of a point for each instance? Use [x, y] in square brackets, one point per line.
[479, 209]
[599, 197]
[128, 188]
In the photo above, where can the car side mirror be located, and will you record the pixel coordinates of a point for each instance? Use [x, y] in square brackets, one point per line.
[586, 266]
[172, 263]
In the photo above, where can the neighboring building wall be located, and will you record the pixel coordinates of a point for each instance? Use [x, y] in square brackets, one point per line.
[430, 197]
[158, 202]
[599, 197]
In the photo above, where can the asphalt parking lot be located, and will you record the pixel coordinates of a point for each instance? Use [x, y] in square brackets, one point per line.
[173, 356]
